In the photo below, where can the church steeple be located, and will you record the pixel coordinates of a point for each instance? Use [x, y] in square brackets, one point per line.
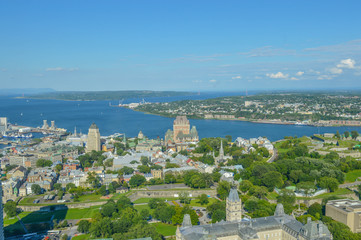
[221, 152]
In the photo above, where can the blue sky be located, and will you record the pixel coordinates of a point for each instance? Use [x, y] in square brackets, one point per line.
[180, 45]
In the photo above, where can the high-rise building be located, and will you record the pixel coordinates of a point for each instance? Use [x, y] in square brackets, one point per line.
[93, 142]
[45, 124]
[1, 214]
[3, 125]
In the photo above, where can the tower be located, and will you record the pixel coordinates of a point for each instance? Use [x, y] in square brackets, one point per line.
[181, 127]
[93, 142]
[233, 206]
[45, 124]
[52, 125]
[221, 151]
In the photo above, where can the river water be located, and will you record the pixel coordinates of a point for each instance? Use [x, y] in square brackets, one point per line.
[81, 114]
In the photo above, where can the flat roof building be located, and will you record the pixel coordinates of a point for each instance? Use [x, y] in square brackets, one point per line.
[346, 211]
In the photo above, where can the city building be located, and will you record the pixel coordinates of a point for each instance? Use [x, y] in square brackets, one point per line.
[3, 125]
[280, 226]
[1, 214]
[181, 134]
[346, 211]
[233, 206]
[93, 142]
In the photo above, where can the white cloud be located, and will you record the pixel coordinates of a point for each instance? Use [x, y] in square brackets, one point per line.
[300, 73]
[323, 77]
[58, 69]
[3, 69]
[347, 63]
[213, 80]
[335, 70]
[237, 77]
[294, 78]
[277, 75]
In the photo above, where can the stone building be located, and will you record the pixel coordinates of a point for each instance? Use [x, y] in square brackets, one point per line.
[181, 133]
[280, 226]
[345, 211]
[233, 206]
[93, 142]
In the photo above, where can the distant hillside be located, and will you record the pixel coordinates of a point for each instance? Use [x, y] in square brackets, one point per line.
[107, 95]
[24, 91]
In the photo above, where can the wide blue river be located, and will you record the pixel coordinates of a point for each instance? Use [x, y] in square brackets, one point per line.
[80, 114]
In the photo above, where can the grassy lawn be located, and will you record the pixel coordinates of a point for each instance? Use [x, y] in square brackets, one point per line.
[90, 198]
[146, 200]
[338, 192]
[79, 213]
[195, 203]
[141, 207]
[353, 175]
[32, 217]
[72, 213]
[272, 196]
[28, 200]
[165, 229]
[347, 143]
[8, 221]
[81, 237]
[13, 229]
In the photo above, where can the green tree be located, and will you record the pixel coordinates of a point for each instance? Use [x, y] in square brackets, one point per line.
[103, 190]
[245, 186]
[137, 180]
[338, 136]
[58, 167]
[156, 202]
[218, 215]
[36, 189]
[57, 186]
[272, 179]
[93, 179]
[315, 210]
[184, 197]
[223, 189]
[43, 163]
[354, 134]
[144, 214]
[330, 183]
[64, 237]
[169, 178]
[347, 134]
[108, 209]
[203, 199]
[69, 186]
[126, 170]
[84, 226]
[10, 209]
[286, 197]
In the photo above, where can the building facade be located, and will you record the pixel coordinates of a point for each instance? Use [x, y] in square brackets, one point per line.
[93, 142]
[280, 226]
[182, 132]
[345, 211]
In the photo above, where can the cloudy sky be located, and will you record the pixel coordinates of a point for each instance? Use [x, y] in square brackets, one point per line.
[198, 45]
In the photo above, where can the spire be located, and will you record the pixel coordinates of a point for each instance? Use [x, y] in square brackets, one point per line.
[221, 152]
[75, 131]
[279, 210]
[233, 195]
[187, 221]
